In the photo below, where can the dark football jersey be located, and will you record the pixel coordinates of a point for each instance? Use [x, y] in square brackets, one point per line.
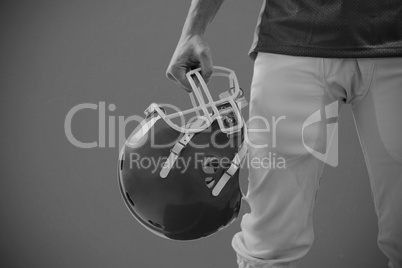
[330, 28]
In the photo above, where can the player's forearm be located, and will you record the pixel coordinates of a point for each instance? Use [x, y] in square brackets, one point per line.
[200, 14]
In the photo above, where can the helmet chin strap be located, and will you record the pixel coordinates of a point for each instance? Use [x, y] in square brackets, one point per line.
[178, 147]
[135, 139]
[234, 166]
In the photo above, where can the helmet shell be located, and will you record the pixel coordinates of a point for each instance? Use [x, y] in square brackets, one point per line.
[181, 206]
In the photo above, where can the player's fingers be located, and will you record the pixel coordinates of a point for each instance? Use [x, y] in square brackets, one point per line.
[207, 67]
[178, 74]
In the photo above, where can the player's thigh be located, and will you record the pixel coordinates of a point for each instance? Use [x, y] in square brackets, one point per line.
[285, 92]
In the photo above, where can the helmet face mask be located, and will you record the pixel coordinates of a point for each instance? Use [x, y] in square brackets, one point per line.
[181, 181]
[229, 104]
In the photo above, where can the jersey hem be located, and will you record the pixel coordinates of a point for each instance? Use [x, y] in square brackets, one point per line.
[327, 52]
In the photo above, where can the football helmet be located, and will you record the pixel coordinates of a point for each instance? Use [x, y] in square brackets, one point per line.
[180, 181]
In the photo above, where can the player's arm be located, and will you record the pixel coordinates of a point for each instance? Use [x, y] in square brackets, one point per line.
[192, 50]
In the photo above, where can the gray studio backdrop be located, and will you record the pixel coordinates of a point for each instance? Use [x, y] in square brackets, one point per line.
[60, 205]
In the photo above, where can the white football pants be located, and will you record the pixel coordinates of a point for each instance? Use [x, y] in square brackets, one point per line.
[286, 91]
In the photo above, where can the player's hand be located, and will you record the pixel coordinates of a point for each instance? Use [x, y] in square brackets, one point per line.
[190, 53]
